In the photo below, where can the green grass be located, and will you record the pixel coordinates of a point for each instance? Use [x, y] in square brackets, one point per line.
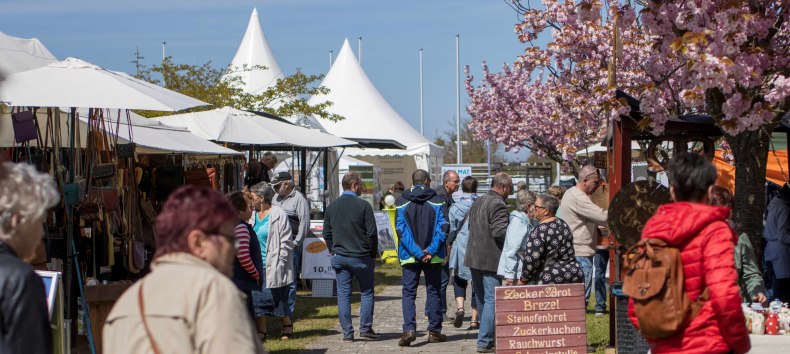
[315, 317]
[597, 328]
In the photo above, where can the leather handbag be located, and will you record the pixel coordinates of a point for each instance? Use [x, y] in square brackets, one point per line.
[71, 193]
[90, 211]
[24, 126]
[103, 170]
[106, 196]
[125, 150]
[198, 177]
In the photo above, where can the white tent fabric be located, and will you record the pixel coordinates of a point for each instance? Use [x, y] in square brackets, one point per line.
[21, 54]
[77, 83]
[150, 136]
[237, 126]
[367, 114]
[254, 50]
[153, 137]
[600, 148]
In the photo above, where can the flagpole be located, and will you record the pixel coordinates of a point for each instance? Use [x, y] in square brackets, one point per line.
[422, 132]
[458, 158]
[330, 59]
[359, 49]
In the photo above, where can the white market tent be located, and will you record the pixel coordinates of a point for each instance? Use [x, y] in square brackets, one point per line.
[21, 54]
[150, 136]
[369, 116]
[77, 83]
[253, 51]
[228, 124]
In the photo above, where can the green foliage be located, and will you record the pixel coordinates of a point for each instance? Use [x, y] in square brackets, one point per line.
[222, 87]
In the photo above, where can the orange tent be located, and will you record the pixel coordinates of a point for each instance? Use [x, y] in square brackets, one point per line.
[776, 169]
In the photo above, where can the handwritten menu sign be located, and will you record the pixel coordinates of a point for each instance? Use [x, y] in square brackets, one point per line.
[545, 319]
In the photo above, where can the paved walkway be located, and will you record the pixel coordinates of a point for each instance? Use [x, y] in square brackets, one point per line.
[388, 320]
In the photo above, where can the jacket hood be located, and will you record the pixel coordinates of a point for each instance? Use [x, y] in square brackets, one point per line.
[675, 223]
[419, 193]
[519, 215]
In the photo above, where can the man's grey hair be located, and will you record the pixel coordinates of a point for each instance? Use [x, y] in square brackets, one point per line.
[549, 202]
[523, 200]
[24, 192]
[264, 191]
[446, 176]
[587, 171]
[501, 180]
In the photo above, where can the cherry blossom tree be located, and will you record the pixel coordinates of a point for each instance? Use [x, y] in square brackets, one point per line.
[735, 58]
[557, 99]
[726, 58]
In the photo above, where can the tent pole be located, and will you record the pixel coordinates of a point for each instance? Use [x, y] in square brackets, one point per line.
[338, 161]
[303, 170]
[326, 177]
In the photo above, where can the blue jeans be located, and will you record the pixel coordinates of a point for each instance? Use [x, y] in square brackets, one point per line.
[600, 261]
[347, 268]
[484, 284]
[411, 281]
[585, 263]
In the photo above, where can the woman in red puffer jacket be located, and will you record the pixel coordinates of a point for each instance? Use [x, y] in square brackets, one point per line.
[706, 245]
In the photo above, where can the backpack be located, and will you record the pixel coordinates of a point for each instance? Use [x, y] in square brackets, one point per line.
[654, 280]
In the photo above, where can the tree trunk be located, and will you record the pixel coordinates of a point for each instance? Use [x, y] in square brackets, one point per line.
[750, 150]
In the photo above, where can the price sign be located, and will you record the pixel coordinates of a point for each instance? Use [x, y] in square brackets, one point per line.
[316, 260]
[540, 319]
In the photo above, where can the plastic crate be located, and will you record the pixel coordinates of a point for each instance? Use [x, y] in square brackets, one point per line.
[629, 340]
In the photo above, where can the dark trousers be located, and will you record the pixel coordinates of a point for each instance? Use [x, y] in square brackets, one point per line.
[411, 281]
[459, 289]
[442, 290]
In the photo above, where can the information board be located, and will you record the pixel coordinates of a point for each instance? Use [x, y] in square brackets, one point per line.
[541, 319]
[384, 227]
[316, 260]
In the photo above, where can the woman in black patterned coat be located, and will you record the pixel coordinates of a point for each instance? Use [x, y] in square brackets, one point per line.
[548, 257]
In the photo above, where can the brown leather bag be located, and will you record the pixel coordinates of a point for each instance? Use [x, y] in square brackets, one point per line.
[654, 280]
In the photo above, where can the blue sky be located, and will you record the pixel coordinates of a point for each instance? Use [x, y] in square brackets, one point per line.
[300, 32]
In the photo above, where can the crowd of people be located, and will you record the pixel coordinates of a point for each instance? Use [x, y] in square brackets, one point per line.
[221, 258]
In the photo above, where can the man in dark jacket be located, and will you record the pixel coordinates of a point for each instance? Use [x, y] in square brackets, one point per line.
[421, 249]
[352, 238]
[450, 183]
[24, 317]
[777, 246]
[488, 221]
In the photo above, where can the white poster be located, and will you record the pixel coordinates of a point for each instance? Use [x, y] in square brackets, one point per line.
[316, 260]
[386, 233]
[462, 171]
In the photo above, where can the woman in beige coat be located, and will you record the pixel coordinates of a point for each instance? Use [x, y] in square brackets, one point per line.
[187, 304]
[274, 234]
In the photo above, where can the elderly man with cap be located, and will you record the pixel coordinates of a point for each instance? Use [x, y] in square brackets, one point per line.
[298, 210]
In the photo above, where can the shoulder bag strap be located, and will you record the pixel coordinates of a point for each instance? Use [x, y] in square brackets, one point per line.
[140, 302]
[463, 221]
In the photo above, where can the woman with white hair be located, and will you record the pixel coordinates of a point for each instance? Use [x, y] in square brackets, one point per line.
[271, 225]
[25, 196]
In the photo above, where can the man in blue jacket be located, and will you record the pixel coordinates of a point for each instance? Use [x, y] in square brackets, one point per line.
[421, 249]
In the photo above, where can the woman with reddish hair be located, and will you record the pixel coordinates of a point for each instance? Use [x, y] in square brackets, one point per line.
[187, 304]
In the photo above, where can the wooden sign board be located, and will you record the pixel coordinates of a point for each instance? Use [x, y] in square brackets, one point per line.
[599, 159]
[541, 319]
